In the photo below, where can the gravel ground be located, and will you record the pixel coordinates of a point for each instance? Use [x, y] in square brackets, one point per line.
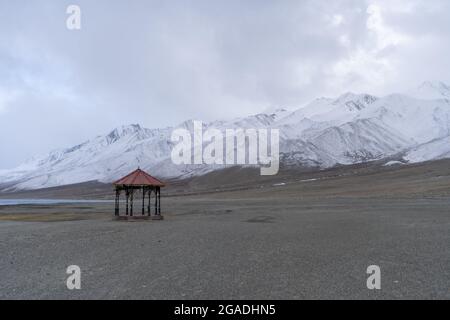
[229, 247]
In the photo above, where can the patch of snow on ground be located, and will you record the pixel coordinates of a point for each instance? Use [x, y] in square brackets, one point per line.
[393, 163]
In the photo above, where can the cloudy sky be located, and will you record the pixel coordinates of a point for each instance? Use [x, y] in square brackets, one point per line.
[158, 63]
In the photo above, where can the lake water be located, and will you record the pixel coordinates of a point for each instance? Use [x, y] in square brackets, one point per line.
[13, 202]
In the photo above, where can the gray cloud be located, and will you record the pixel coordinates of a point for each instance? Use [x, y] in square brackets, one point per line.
[160, 62]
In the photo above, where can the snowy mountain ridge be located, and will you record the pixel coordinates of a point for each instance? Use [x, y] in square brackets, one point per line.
[351, 128]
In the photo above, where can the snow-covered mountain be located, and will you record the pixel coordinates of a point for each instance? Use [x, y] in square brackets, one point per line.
[102, 158]
[348, 129]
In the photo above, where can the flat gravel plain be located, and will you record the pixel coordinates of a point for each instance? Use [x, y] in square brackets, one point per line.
[231, 245]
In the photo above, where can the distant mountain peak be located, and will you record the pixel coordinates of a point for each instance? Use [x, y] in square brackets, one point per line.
[279, 113]
[278, 110]
[274, 110]
[347, 95]
[431, 90]
[356, 96]
[434, 85]
[122, 131]
[355, 102]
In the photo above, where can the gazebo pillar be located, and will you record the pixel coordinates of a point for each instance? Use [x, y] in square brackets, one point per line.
[143, 200]
[127, 195]
[156, 201]
[159, 201]
[131, 202]
[149, 201]
[117, 202]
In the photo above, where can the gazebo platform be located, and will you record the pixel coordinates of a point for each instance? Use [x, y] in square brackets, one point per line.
[139, 218]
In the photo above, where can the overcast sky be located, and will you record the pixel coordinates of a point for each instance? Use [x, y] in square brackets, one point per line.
[158, 63]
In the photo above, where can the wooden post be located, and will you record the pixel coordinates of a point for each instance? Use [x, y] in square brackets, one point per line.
[149, 201]
[143, 200]
[159, 201]
[127, 195]
[131, 199]
[116, 212]
[156, 201]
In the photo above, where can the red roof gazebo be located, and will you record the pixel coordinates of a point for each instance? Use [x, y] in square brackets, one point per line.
[139, 180]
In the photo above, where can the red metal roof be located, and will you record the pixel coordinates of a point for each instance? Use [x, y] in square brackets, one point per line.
[139, 178]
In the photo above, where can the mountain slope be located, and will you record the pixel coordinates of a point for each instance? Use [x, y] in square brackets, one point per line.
[433, 150]
[359, 141]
